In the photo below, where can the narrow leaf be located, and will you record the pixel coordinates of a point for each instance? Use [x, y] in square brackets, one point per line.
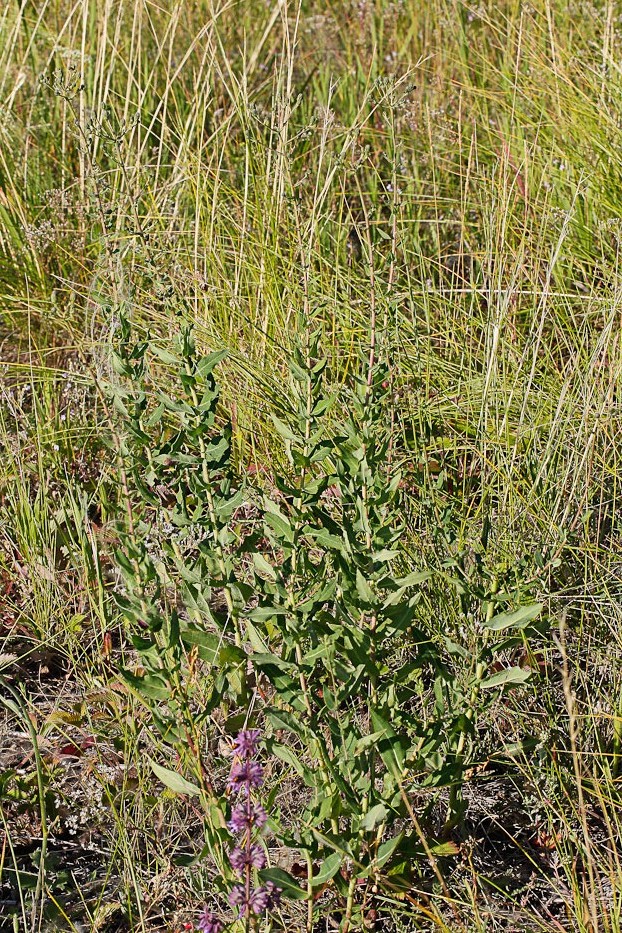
[517, 619]
[364, 589]
[389, 746]
[374, 817]
[387, 849]
[329, 868]
[511, 675]
[283, 429]
[412, 579]
[263, 568]
[207, 363]
[289, 887]
[173, 780]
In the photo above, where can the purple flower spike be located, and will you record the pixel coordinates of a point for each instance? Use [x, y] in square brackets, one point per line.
[210, 923]
[259, 901]
[252, 856]
[246, 743]
[244, 775]
[247, 817]
[243, 819]
[260, 817]
[237, 896]
[240, 820]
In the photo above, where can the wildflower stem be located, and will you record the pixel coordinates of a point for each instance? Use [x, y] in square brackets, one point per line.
[214, 522]
[455, 791]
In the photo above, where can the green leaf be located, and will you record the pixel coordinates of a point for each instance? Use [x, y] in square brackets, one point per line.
[366, 741]
[281, 719]
[389, 746]
[257, 640]
[156, 415]
[216, 450]
[384, 555]
[120, 366]
[283, 429]
[336, 843]
[207, 363]
[455, 649]
[299, 374]
[289, 886]
[412, 579]
[325, 539]
[328, 869]
[507, 677]
[173, 780]
[263, 568]
[517, 619]
[165, 355]
[364, 589]
[147, 685]
[277, 672]
[387, 849]
[285, 753]
[231, 654]
[224, 507]
[263, 613]
[374, 817]
[277, 521]
[208, 644]
[174, 404]
[120, 407]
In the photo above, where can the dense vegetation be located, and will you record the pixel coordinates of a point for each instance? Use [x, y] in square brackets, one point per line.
[310, 581]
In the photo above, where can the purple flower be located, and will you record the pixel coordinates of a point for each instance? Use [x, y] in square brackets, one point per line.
[260, 817]
[244, 775]
[252, 856]
[210, 923]
[238, 860]
[246, 743]
[266, 898]
[274, 895]
[242, 818]
[259, 900]
[247, 856]
[257, 857]
[237, 896]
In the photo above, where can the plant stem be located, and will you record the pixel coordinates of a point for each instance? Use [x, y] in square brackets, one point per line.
[455, 791]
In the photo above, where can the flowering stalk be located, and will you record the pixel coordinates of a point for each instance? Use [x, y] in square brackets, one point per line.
[247, 816]
[247, 855]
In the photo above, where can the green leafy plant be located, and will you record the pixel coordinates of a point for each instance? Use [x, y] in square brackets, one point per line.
[365, 701]
[349, 659]
[180, 591]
